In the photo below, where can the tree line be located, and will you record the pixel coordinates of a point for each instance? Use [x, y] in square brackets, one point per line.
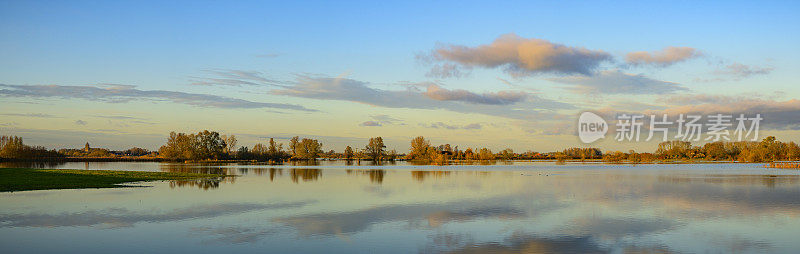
[767, 150]
[211, 145]
[12, 147]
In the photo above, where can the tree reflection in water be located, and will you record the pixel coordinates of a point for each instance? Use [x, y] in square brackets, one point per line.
[205, 184]
[204, 168]
[273, 172]
[31, 164]
[306, 174]
[375, 175]
[421, 175]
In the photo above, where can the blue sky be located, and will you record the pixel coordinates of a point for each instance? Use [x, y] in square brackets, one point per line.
[174, 46]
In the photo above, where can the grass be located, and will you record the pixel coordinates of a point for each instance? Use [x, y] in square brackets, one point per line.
[22, 179]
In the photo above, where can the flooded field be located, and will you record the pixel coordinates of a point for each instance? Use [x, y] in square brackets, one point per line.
[335, 207]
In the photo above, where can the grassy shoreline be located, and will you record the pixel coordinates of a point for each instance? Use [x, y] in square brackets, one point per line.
[24, 179]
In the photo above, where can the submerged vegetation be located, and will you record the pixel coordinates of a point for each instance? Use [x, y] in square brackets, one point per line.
[21, 179]
[211, 146]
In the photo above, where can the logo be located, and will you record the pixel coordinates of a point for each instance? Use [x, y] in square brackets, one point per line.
[591, 127]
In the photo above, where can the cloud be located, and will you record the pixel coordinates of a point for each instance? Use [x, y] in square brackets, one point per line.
[36, 115]
[437, 125]
[500, 98]
[121, 217]
[344, 89]
[520, 243]
[666, 57]
[616, 82]
[371, 124]
[235, 234]
[615, 228]
[350, 222]
[445, 70]
[776, 114]
[518, 56]
[234, 78]
[122, 94]
[386, 119]
[80, 122]
[380, 120]
[740, 71]
[119, 117]
[693, 99]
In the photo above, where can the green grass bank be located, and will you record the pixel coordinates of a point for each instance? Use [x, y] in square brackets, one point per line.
[23, 179]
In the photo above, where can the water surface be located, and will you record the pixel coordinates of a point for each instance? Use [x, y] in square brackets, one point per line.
[401, 208]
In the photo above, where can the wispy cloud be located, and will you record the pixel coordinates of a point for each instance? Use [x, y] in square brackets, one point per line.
[118, 117]
[740, 71]
[235, 234]
[381, 120]
[126, 218]
[123, 120]
[518, 56]
[224, 77]
[500, 98]
[663, 58]
[371, 124]
[441, 125]
[776, 114]
[445, 70]
[80, 122]
[124, 93]
[616, 82]
[387, 119]
[344, 89]
[36, 115]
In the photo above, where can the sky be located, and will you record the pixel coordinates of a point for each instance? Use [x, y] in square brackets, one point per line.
[514, 74]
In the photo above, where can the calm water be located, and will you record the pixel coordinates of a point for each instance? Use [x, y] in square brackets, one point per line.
[400, 208]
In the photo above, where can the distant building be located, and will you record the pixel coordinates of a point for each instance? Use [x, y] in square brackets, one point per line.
[87, 148]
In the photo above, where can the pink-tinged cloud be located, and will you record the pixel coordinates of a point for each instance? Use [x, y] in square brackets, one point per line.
[518, 56]
[500, 98]
[663, 58]
[740, 71]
